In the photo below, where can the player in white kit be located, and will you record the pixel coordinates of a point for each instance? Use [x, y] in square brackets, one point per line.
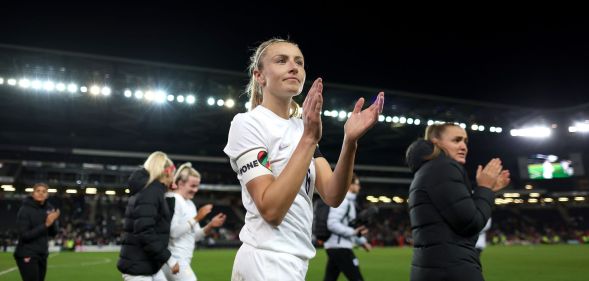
[275, 155]
[184, 228]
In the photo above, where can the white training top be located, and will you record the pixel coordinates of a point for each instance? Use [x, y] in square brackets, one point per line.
[482, 240]
[184, 230]
[260, 143]
[338, 220]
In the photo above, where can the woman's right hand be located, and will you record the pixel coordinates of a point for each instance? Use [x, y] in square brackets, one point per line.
[487, 176]
[312, 107]
[51, 217]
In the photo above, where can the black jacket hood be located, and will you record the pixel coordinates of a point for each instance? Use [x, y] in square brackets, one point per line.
[29, 201]
[138, 180]
[417, 152]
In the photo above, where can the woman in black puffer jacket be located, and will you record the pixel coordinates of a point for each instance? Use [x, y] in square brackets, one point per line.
[36, 221]
[146, 229]
[446, 212]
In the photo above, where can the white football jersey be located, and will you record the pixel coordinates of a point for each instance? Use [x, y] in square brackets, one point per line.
[260, 143]
[183, 234]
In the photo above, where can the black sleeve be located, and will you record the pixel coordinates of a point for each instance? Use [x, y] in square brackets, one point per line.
[146, 212]
[27, 231]
[466, 213]
[317, 153]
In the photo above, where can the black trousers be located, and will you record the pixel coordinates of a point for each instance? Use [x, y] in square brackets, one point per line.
[32, 268]
[342, 260]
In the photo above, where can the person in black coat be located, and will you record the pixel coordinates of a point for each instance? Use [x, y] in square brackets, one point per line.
[146, 228]
[446, 212]
[36, 221]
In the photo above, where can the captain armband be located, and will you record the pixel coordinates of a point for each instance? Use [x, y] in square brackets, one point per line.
[253, 164]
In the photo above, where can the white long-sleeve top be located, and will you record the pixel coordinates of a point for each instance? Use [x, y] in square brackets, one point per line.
[184, 230]
[482, 240]
[342, 234]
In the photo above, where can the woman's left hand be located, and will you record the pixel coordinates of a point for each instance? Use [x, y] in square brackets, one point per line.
[502, 181]
[361, 120]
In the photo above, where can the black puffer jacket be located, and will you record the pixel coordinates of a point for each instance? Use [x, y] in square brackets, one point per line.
[146, 227]
[32, 232]
[446, 215]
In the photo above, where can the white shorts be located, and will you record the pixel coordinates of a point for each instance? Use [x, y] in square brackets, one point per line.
[253, 264]
[128, 277]
[185, 273]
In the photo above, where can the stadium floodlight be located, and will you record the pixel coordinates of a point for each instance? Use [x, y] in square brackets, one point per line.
[327, 113]
[110, 192]
[159, 96]
[492, 129]
[372, 199]
[171, 98]
[548, 200]
[474, 127]
[52, 190]
[72, 88]
[342, 114]
[533, 200]
[510, 195]
[190, 99]
[91, 190]
[95, 90]
[518, 201]
[462, 125]
[248, 105]
[532, 132]
[149, 95]
[24, 83]
[211, 101]
[396, 119]
[388, 119]
[60, 87]
[128, 93]
[481, 128]
[230, 103]
[384, 199]
[410, 121]
[398, 199]
[180, 98]
[349, 114]
[71, 191]
[29, 189]
[579, 198]
[36, 84]
[48, 86]
[105, 91]
[380, 118]
[11, 81]
[534, 194]
[417, 122]
[334, 113]
[220, 102]
[579, 127]
[1, 81]
[402, 120]
[138, 94]
[563, 199]
[430, 122]
[498, 130]
[83, 89]
[127, 191]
